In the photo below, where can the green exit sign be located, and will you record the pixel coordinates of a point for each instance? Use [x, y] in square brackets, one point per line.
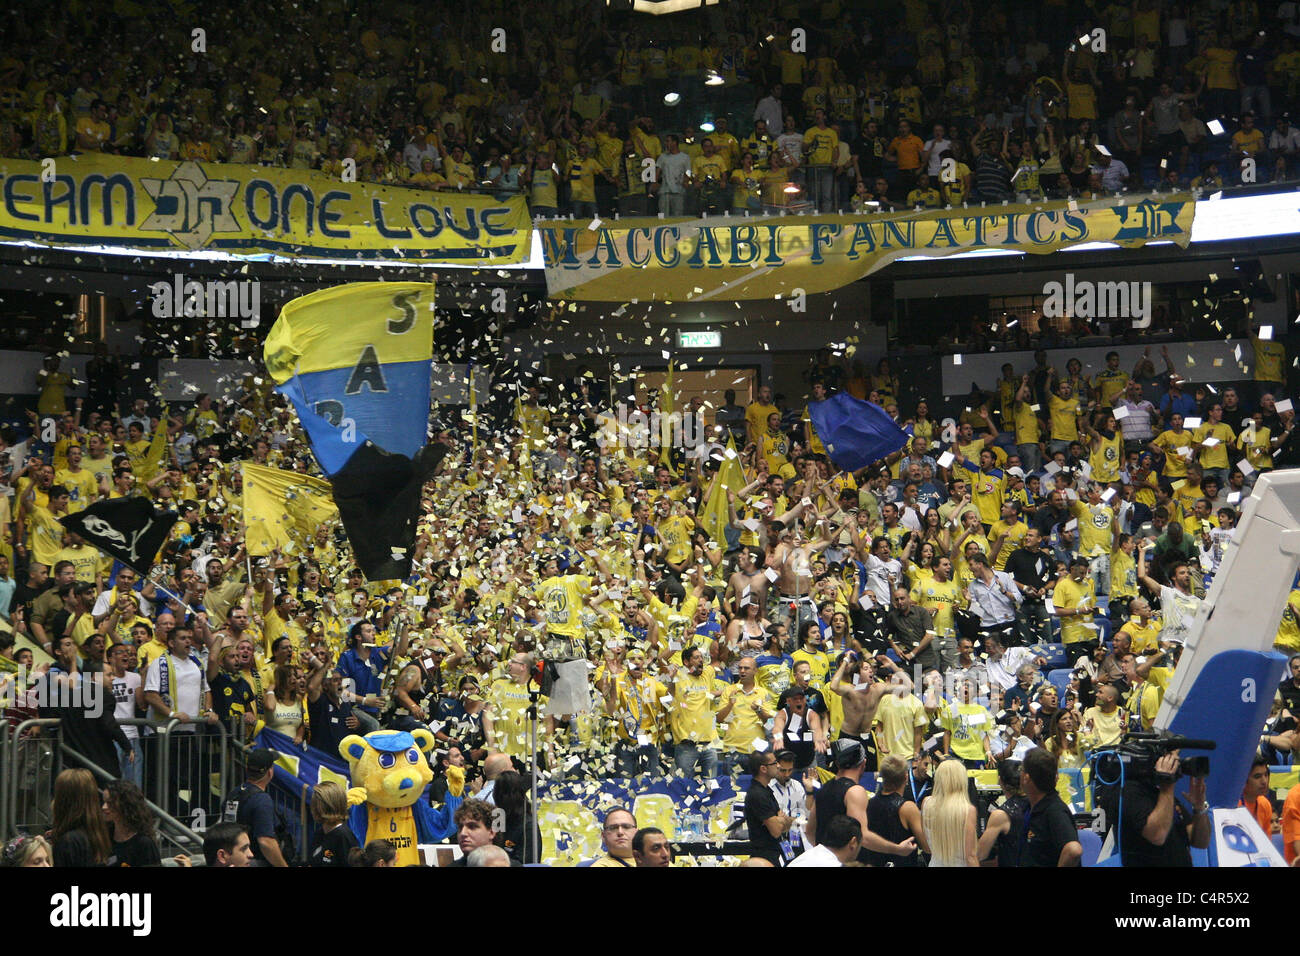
[699, 340]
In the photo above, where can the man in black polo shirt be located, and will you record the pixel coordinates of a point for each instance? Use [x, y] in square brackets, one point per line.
[1031, 568]
[250, 805]
[1156, 828]
[769, 828]
[1050, 837]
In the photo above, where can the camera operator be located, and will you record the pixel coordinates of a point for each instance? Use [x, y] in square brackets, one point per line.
[1157, 827]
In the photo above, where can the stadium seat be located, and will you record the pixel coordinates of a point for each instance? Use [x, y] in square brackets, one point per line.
[1091, 847]
[1280, 844]
[1055, 654]
[656, 810]
[1103, 627]
[1060, 679]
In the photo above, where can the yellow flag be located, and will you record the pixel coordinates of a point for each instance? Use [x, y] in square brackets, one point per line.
[151, 463]
[283, 509]
[666, 429]
[525, 455]
[731, 476]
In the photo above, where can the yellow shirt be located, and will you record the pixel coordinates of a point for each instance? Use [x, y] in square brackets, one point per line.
[1215, 456]
[1110, 384]
[1070, 596]
[675, 533]
[582, 179]
[987, 492]
[743, 725]
[819, 663]
[88, 561]
[756, 418]
[1256, 444]
[638, 707]
[1145, 640]
[1123, 577]
[1104, 459]
[898, 719]
[939, 598]
[1064, 412]
[1270, 357]
[509, 703]
[819, 146]
[695, 700]
[82, 484]
[1288, 631]
[1106, 728]
[1015, 533]
[1170, 442]
[1095, 528]
[1026, 419]
[563, 599]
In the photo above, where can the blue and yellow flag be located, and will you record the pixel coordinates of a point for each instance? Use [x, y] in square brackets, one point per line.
[356, 363]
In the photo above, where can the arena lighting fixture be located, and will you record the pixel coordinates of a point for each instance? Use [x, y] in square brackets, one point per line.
[672, 98]
[791, 188]
[706, 126]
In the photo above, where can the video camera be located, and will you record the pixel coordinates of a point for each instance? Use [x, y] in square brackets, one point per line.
[1139, 752]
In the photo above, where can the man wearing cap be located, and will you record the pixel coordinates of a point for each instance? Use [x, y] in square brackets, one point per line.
[250, 805]
[845, 795]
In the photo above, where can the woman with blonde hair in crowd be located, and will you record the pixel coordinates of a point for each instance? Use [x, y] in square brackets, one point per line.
[949, 818]
[31, 851]
[78, 813]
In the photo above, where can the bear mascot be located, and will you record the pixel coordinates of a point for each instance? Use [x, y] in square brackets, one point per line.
[390, 774]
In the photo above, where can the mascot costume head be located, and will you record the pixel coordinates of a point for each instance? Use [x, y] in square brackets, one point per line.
[390, 773]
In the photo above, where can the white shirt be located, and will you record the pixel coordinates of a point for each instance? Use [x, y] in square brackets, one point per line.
[1003, 672]
[1177, 611]
[1284, 142]
[769, 110]
[124, 698]
[190, 683]
[103, 605]
[936, 147]
[817, 856]
[673, 168]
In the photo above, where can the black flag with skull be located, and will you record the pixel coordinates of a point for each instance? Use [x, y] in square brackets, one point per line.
[128, 529]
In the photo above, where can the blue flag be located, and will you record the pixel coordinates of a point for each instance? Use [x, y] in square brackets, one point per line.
[855, 433]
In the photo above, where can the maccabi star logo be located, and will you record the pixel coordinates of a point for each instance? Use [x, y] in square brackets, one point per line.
[190, 206]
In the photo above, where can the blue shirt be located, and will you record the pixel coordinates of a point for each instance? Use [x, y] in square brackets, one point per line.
[367, 676]
[1182, 404]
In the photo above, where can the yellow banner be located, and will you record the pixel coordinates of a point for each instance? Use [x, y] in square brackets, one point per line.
[775, 256]
[283, 509]
[95, 199]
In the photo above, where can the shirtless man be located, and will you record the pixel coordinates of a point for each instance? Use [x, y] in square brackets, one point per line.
[749, 575]
[860, 701]
[792, 559]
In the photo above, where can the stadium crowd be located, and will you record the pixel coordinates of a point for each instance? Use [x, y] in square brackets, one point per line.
[922, 104]
[1017, 580]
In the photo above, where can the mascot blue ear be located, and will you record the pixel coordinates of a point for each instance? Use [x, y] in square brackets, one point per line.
[352, 747]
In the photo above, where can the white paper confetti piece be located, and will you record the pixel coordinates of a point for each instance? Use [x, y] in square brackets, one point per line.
[1191, 422]
[946, 459]
[1283, 406]
[1266, 332]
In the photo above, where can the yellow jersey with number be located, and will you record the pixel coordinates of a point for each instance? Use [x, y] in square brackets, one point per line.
[563, 599]
[397, 826]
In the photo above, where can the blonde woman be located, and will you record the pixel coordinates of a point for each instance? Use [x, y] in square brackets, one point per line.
[329, 808]
[949, 818]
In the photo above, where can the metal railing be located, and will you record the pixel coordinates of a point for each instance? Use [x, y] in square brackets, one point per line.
[33, 754]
